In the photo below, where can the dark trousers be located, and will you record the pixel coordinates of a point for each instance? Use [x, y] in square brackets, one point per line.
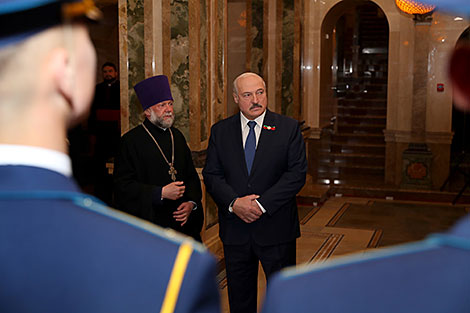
[241, 262]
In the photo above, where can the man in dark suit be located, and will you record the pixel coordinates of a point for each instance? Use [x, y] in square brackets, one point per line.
[255, 166]
[432, 275]
[61, 250]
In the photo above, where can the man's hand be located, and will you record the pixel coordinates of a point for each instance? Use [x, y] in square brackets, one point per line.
[182, 212]
[247, 209]
[173, 191]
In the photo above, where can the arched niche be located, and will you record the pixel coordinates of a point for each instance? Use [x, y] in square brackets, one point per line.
[330, 50]
[319, 18]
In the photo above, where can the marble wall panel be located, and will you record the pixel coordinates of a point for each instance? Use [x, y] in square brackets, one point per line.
[256, 54]
[179, 64]
[400, 76]
[296, 99]
[204, 89]
[220, 93]
[123, 77]
[420, 73]
[237, 38]
[136, 56]
[195, 73]
[287, 57]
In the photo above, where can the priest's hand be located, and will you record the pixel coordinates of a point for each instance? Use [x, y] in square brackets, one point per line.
[173, 191]
[247, 209]
[182, 212]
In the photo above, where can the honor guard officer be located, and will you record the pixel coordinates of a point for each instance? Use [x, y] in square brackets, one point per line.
[60, 250]
[429, 276]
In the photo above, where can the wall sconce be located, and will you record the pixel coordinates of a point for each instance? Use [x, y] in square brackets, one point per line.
[421, 11]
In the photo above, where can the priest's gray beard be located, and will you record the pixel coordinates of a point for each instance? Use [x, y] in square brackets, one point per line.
[161, 121]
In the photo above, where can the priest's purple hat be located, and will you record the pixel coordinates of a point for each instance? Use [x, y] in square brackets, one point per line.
[153, 90]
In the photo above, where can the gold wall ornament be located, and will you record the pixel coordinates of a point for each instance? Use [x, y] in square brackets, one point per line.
[414, 7]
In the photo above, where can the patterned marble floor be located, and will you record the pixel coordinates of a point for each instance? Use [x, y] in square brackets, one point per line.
[324, 236]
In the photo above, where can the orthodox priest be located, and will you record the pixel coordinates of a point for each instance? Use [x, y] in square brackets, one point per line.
[154, 174]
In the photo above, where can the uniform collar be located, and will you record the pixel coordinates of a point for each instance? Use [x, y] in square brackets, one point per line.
[36, 157]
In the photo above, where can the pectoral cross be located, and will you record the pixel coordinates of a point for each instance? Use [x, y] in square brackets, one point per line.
[172, 172]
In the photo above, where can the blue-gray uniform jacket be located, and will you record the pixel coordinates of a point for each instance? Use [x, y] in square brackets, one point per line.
[62, 251]
[429, 276]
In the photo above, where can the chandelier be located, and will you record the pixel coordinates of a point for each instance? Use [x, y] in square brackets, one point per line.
[414, 7]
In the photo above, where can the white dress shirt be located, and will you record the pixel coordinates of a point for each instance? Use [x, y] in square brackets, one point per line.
[37, 157]
[245, 131]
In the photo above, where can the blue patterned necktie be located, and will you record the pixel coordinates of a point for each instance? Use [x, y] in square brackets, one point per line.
[250, 146]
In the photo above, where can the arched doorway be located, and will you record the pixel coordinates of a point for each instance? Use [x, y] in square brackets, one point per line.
[354, 91]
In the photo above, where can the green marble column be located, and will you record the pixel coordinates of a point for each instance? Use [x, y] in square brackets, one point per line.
[287, 57]
[256, 55]
[220, 111]
[204, 71]
[136, 65]
[179, 58]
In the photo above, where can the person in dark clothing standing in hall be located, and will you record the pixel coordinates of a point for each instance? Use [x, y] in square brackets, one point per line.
[105, 130]
[154, 174]
[107, 93]
[255, 166]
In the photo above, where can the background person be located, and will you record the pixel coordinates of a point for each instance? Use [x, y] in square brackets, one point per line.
[105, 130]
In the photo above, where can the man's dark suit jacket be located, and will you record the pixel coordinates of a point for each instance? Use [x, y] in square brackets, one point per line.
[278, 173]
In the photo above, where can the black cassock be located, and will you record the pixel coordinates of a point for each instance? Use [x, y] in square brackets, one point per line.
[140, 172]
